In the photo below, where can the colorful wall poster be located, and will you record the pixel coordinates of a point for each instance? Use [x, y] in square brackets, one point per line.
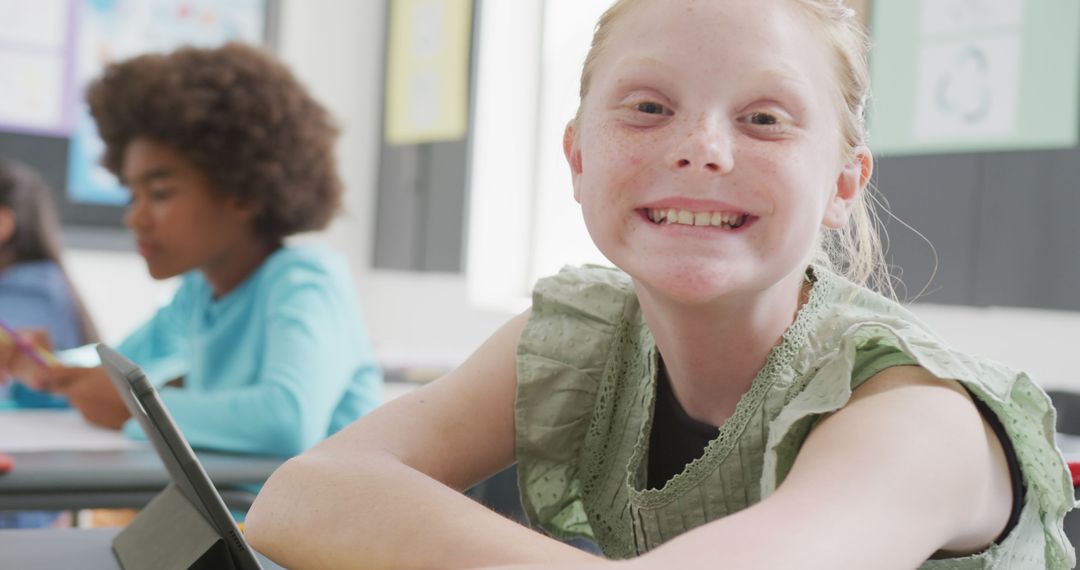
[36, 44]
[112, 30]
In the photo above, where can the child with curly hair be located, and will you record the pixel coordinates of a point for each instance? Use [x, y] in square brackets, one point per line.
[732, 396]
[262, 349]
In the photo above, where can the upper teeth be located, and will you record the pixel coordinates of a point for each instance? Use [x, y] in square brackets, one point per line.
[688, 218]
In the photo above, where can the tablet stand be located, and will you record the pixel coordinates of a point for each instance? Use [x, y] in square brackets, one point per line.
[170, 533]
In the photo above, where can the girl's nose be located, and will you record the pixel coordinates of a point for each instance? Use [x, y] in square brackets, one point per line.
[705, 147]
[135, 215]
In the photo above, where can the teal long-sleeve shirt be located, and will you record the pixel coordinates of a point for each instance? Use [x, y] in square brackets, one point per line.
[273, 367]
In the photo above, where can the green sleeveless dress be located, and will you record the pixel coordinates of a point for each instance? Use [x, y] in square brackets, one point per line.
[587, 365]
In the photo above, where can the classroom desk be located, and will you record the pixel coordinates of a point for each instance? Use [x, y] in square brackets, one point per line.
[65, 480]
[61, 549]
[61, 480]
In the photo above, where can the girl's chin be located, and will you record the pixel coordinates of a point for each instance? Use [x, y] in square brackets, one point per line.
[690, 287]
[160, 272]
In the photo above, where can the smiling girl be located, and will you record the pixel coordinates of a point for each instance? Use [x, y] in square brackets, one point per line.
[732, 395]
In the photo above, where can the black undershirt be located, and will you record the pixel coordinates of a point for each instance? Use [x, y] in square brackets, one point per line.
[1015, 477]
[677, 439]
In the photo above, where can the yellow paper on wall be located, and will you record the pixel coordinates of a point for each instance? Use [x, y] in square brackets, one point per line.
[427, 71]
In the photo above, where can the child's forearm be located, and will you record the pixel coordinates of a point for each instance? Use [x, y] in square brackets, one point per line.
[372, 511]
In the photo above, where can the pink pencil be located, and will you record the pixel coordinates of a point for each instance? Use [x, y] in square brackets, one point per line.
[35, 353]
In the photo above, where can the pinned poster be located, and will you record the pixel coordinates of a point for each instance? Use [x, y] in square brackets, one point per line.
[427, 71]
[112, 30]
[973, 75]
[36, 45]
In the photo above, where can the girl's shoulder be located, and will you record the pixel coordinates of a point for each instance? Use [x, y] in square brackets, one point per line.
[845, 307]
[309, 278]
[854, 323]
[295, 264]
[592, 291]
[40, 282]
[36, 274]
[287, 270]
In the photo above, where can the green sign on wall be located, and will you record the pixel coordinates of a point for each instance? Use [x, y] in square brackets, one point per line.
[973, 75]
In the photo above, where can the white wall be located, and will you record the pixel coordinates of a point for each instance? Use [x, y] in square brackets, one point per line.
[118, 292]
[335, 47]
[1039, 342]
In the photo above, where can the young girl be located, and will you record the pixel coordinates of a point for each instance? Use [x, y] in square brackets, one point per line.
[730, 397]
[35, 291]
[262, 349]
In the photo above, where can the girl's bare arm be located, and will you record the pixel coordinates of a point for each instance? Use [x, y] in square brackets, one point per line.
[385, 491]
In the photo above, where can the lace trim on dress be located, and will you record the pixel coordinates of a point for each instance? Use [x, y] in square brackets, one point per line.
[780, 358]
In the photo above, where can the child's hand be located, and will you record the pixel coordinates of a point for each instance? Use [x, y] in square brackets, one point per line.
[15, 363]
[90, 391]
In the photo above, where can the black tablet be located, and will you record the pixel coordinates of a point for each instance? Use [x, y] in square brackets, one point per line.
[186, 472]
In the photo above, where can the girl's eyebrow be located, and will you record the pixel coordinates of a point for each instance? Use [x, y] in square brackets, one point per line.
[639, 71]
[784, 77]
[634, 62]
[781, 75]
[159, 173]
[789, 86]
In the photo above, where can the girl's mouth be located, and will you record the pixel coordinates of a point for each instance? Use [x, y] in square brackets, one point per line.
[724, 220]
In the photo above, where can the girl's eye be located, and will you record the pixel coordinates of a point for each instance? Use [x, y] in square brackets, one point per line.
[652, 108]
[159, 194]
[766, 123]
[764, 119]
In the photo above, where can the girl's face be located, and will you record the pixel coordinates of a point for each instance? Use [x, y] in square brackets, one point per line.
[180, 222]
[709, 151]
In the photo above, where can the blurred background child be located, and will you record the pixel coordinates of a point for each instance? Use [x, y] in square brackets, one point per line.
[35, 291]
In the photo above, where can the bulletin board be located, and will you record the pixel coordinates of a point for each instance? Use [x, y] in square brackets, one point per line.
[424, 153]
[973, 75]
[976, 148]
[51, 49]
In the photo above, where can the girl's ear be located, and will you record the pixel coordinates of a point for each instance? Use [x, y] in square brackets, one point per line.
[573, 158]
[7, 224]
[851, 183]
[244, 209]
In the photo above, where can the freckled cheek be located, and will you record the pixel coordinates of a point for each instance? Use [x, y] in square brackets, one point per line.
[781, 174]
[623, 158]
[764, 163]
[621, 143]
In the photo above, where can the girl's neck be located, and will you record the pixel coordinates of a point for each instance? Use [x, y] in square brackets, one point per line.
[229, 271]
[712, 354]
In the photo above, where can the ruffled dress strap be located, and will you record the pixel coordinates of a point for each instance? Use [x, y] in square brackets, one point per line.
[561, 358]
[862, 318]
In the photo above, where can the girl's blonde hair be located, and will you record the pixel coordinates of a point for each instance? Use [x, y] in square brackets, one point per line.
[856, 250]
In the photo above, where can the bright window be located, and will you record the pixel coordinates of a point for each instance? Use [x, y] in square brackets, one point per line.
[524, 222]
